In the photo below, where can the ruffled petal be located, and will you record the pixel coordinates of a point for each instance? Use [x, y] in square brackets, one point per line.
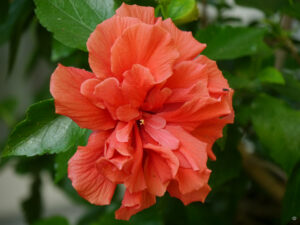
[124, 131]
[102, 39]
[156, 98]
[87, 89]
[133, 203]
[65, 87]
[111, 95]
[192, 149]
[145, 14]
[149, 46]
[216, 81]
[136, 84]
[186, 44]
[186, 74]
[136, 180]
[160, 167]
[189, 180]
[111, 171]
[85, 177]
[198, 111]
[194, 196]
[211, 130]
[162, 136]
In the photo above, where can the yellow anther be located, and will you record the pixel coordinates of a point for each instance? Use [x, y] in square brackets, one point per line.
[141, 122]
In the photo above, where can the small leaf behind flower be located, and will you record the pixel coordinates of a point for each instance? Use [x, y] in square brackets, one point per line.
[225, 42]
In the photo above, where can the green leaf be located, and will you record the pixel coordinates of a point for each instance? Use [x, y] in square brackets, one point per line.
[291, 203]
[60, 51]
[72, 21]
[42, 132]
[271, 75]
[231, 42]
[180, 11]
[32, 206]
[278, 129]
[291, 88]
[55, 220]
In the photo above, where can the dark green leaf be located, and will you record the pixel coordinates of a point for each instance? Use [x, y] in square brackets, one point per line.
[61, 159]
[4, 7]
[278, 129]
[72, 21]
[55, 220]
[268, 6]
[42, 132]
[221, 171]
[291, 203]
[32, 206]
[19, 27]
[34, 165]
[291, 88]
[231, 42]
[180, 11]
[60, 51]
[61, 163]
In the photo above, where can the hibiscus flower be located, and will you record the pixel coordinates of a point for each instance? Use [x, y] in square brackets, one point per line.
[155, 106]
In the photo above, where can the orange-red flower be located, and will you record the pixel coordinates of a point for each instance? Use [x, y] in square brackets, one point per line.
[155, 107]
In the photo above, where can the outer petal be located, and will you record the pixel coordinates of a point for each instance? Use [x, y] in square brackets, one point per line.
[189, 180]
[197, 111]
[210, 130]
[133, 203]
[194, 196]
[86, 179]
[102, 39]
[192, 149]
[145, 14]
[216, 81]
[147, 45]
[187, 45]
[160, 167]
[65, 88]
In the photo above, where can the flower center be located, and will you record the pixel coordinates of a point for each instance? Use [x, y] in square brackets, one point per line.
[140, 122]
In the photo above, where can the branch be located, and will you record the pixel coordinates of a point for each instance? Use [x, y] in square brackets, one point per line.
[263, 174]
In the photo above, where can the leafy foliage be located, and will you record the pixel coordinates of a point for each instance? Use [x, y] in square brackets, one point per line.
[231, 42]
[278, 130]
[291, 205]
[42, 132]
[73, 21]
